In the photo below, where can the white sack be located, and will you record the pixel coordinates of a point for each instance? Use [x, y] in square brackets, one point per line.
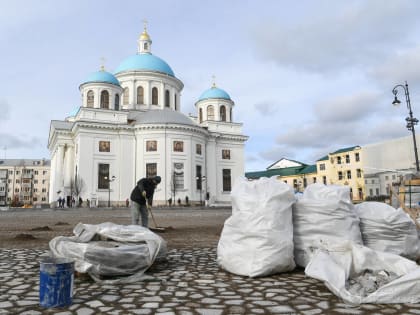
[110, 250]
[334, 264]
[257, 239]
[387, 229]
[323, 214]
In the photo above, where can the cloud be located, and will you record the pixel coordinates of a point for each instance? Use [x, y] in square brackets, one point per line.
[348, 108]
[355, 35]
[12, 141]
[266, 108]
[4, 110]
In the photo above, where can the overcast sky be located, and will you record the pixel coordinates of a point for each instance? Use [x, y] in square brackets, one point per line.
[307, 77]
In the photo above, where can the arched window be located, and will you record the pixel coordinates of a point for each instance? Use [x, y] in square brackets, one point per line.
[210, 112]
[117, 102]
[154, 96]
[104, 99]
[167, 98]
[175, 103]
[222, 113]
[90, 98]
[140, 95]
[200, 115]
[125, 96]
[145, 46]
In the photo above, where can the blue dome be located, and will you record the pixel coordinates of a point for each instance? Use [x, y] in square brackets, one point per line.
[102, 77]
[214, 92]
[145, 62]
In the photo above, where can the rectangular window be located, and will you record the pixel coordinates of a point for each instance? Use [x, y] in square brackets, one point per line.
[324, 180]
[338, 159]
[340, 175]
[226, 180]
[377, 191]
[295, 184]
[35, 199]
[44, 190]
[314, 180]
[43, 181]
[35, 181]
[103, 176]
[16, 190]
[357, 157]
[10, 172]
[36, 172]
[360, 191]
[386, 177]
[35, 190]
[44, 172]
[26, 181]
[198, 149]
[359, 173]
[226, 154]
[43, 199]
[151, 145]
[393, 176]
[199, 177]
[151, 169]
[348, 174]
[347, 158]
[370, 192]
[17, 181]
[178, 146]
[322, 167]
[179, 175]
[104, 146]
[17, 172]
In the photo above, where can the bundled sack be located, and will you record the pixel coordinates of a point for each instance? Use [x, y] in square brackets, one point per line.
[323, 214]
[257, 240]
[109, 250]
[387, 229]
[358, 274]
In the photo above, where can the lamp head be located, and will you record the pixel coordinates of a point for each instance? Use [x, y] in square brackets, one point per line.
[396, 101]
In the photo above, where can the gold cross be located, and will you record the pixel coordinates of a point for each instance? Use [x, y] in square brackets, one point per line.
[214, 80]
[144, 24]
[102, 64]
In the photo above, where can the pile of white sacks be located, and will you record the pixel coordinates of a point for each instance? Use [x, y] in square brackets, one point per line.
[271, 230]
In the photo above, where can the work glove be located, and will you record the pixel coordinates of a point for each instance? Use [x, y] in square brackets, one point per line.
[144, 194]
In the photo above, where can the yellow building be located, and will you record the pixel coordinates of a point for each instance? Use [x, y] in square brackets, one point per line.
[342, 167]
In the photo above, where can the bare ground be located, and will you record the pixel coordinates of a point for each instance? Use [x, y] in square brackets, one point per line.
[184, 226]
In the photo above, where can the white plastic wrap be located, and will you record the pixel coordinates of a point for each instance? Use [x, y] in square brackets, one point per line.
[336, 263]
[323, 214]
[111, 250]
[257, 239]
[387, 229]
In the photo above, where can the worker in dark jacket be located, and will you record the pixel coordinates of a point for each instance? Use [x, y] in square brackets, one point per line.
[142, 195]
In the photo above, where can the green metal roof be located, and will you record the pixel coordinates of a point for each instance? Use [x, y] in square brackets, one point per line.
[346, 149]
[288, 171]
[324, 158]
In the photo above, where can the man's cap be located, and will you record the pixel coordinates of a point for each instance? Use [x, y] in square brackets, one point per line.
[157, 179]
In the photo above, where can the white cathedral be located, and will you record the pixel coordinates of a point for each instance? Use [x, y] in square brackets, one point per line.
[130, 126]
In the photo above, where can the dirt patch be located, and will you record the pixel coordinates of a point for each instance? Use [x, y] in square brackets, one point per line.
[62, 223]
[42, 228]
[24, 237]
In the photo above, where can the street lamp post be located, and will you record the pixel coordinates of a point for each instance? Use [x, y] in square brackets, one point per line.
[411, 121]
[109, 188]
[201, 179]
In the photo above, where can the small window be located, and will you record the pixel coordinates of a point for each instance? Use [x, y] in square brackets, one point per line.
[338, 159]
[117, 102]
[44, 190]
[44, 172]
[198, 148]
[357, 157]
[140, 95]
[175, 102]
[104, 146]
[105, 99]
[386, 177]
[340, 175]
[44, 181]
[359, 173]
[370, 192]
[349, 174]
[226, 154]
[227, 180]
[155, 98]
[324, 180]
[103, 176]
[17, 181]
[347, 158]
[126, 96]
[145, 46]
[167, 98]
[322, 167]
[151, 169]
[377, 191]
[90, 98]
[178, 146]
[314, 180]
[222, 113]
[360, 191]
[151, 145]
[36, 172]
[210, 112]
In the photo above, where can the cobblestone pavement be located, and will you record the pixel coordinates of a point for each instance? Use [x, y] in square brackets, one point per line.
[190, 282]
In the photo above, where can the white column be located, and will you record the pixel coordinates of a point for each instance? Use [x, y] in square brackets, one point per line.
[68, 166]
[211, 172]
[161, 101]
[58, 171]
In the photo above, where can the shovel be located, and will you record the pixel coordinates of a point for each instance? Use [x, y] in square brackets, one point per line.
[156, 228]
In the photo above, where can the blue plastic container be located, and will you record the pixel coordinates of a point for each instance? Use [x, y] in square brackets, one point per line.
[56, 276]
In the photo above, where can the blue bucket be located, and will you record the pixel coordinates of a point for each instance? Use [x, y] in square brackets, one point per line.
[56, 277]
